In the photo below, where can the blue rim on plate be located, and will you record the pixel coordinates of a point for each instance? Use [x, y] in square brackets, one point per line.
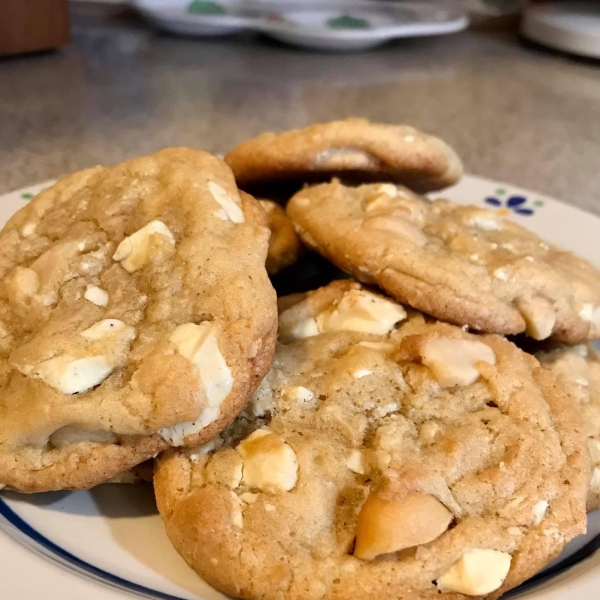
[65, 558]
[69, 560]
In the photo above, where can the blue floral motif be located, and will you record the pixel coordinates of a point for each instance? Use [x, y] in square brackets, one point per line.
[515, 204]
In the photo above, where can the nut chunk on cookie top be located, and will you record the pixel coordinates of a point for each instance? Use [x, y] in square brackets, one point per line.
[461, 264]
[352, 149]
[393, 457]
[135, 314]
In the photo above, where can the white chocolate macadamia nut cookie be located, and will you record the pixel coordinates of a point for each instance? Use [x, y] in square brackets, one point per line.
[351, 149]
[461, 264]
[577, 369]
[381, 458]
[135, 314]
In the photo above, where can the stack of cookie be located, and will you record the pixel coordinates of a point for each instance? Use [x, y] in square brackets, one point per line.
[392, 443]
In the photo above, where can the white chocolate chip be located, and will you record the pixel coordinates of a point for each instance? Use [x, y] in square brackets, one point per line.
[454, 361]
[136, 251]
[198, 343]
[96, 295]
[590, 313]
[514, 531]
[386, 409]
[28, 229]
[49, 299]
[299, 394]
[486, 222]
[501, 275]
[306, 328]
[205, 449]
[72, 376]
[269, 463]
[226, 202]
[359, 310]
[595, 480]
[73, 435]
[269, 507]
[539, 316]
[356, 462]
[397, 225]
[360, 373]
[539, 511]
[176, 434]
[477, 573]
[105, 328]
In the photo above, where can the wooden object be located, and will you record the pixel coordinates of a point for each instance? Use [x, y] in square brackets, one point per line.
[31, 25]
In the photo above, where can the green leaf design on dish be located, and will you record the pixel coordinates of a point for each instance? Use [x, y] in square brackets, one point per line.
[205, 7]
[348, 22]
[27, 195]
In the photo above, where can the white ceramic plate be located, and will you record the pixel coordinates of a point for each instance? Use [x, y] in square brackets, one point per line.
[317, 24]
[109, 543]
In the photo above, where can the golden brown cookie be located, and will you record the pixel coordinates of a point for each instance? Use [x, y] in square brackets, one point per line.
[384, 456]
[135, 314]
[354, 149]
[577, 369]
[461, 264]
[285, 246]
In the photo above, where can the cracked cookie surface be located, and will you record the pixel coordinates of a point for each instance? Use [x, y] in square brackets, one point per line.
[351, 149]
[384, 455]
[129, 318]
[461, 264]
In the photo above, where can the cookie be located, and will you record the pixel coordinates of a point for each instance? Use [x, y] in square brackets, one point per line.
[354, 149]
[577, 369]
[135, 314]
[285, 246]
[461, 264]
[383, 456]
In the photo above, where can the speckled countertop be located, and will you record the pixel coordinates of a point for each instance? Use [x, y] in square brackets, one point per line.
[120, 89]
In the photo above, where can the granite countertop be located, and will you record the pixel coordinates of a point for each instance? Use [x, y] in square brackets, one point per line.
[120, 89]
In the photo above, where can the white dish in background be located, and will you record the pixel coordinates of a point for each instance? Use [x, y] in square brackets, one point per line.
[109, 543]
[317, 24]
[572, 26]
